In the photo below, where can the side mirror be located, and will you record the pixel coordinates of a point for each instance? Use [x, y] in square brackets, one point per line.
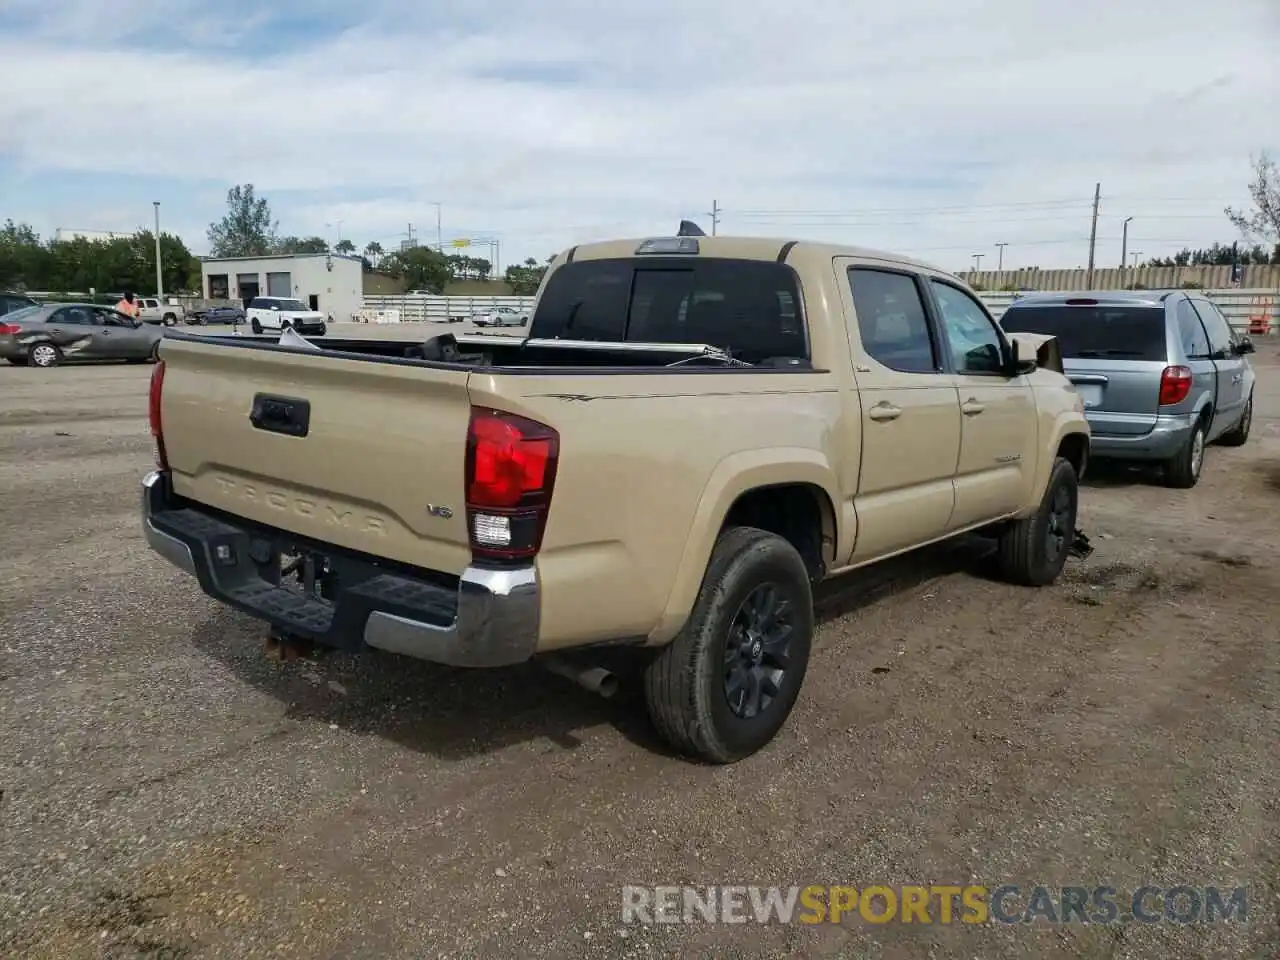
[1245, 345]
[1018, 365]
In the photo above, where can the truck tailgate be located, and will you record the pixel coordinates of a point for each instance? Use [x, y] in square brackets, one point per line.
[379, 469]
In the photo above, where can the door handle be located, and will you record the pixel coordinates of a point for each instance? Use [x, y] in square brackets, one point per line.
[1237, 378]
[971, 408]
[884, 411]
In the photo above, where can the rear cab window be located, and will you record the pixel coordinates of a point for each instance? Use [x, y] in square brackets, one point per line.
[750, 308]
[1095, 332]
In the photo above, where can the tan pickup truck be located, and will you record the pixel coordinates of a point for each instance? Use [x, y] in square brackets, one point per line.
[694, 432]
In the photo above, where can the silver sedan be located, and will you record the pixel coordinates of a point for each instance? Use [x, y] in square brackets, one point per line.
[46, 335]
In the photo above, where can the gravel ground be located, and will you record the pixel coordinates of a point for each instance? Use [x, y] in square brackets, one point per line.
[166, 792]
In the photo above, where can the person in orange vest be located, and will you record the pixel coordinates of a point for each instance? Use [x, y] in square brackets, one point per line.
[129, 306]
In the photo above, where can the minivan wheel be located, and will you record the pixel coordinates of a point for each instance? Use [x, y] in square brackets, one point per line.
[1182, 470]
[1032, 552]
[726, 685]
[1238, 435]
[44, 355]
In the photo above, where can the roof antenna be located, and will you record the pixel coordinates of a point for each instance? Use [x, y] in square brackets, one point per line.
[689, 229]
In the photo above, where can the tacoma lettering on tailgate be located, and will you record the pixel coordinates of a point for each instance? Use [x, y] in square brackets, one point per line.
[308, 507]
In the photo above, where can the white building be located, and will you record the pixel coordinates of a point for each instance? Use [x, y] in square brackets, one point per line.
[330, 283]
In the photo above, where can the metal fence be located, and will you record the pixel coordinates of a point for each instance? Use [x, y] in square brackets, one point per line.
[1241, 307]
[439, 308]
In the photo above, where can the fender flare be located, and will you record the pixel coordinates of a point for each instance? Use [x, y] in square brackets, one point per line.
[733, 476]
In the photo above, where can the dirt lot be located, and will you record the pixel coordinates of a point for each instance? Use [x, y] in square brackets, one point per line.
[167, 792]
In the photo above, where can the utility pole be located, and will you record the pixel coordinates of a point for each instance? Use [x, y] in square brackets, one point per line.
[714, 214]
[439, 231]
[410, 235]
[1124, 244]
[1093, 233]
[159, 271]
[1000, 262]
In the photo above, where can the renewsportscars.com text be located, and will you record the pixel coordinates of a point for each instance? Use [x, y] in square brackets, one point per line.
[934, 904]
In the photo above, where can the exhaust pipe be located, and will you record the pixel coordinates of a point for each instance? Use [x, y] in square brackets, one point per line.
[596, 679]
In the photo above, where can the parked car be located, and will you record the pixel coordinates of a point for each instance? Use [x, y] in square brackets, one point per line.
[46, 335]
[501, 317]
[284, 313]
[1161, 374]
[10, 302]
[154, 310]
[670, 462]
[224, 314]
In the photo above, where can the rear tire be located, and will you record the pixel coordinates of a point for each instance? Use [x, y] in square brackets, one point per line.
[1182, 470]
[724, 687]
[44, 355]
[1032, 552]
[1238, 435]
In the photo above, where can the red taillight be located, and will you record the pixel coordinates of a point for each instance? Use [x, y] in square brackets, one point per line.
[9, 328]
[511, 470]
[1175, 384]
[153, 406]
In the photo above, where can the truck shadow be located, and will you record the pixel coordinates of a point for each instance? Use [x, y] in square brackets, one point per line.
[454, 714]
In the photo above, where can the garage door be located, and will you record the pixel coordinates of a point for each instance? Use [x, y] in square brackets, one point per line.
[279, 285]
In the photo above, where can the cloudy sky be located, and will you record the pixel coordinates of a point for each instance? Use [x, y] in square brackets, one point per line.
[930, 128]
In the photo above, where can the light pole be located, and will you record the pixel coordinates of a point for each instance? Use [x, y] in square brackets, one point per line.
[159, 271]
[1124, 244]
[1136, 255]
[1000, 261]
[977, 262]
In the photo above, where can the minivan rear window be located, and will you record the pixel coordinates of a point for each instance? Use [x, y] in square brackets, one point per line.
[1095, 332]
[748, 307]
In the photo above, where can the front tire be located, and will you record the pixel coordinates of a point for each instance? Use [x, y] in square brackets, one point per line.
[44, 355]
[1032, 552]
[1182, 470]
[1238, 435]
[728, 682]
[255, 326]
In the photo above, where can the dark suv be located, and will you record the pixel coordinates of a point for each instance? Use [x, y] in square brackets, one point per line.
[10, 302]
[1161, 374]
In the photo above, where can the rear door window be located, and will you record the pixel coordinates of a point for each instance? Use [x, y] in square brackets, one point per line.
[1216, 326]
[892, 323]
[1195, 344]
[1097, 332]
[748, 307]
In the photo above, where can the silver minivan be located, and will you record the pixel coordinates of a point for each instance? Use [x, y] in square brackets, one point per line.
[1161, 374]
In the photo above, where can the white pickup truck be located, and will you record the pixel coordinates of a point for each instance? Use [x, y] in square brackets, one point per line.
[155, 310]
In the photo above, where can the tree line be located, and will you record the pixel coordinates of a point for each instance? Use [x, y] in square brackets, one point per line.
[28, 262]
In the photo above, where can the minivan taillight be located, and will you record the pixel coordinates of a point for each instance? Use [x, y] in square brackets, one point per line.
[1175, 385]
[153, 405]
[510, 473]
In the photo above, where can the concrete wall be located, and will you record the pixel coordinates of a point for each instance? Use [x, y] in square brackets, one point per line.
[1113, 278]
[337, 282]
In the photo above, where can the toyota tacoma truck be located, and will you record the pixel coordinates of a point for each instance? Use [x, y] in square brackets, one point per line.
[695, 431]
